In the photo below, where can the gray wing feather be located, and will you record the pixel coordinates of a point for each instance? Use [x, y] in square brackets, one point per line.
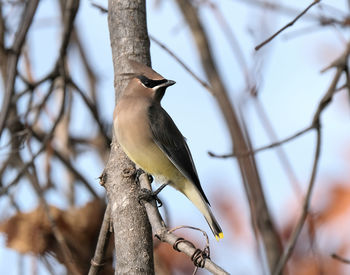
[170, 140]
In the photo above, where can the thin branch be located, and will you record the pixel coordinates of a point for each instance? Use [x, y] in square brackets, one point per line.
[340, 258]
[15, 52]
[93, 109]
[231, 37]
[91, 75]
[279, 8]
[3, 53]
[276, 7]
[42, 148]
[296, 232]
[280, 151]
[23, 169]
[69, 13]
[31, 86]
[272, 145]
[160, 231]
[42, 104]
[171, 53]
[99, 7]
[68, 165]
[316, 121]
[291, 23]
[66, 253]
[102, 243]
[48, 265]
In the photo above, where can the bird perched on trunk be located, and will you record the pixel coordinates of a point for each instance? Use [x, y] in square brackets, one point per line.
[151, 139]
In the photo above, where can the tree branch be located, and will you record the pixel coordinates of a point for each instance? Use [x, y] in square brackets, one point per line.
[272, 145]
[340, 258]
[291, 23]
[260, 214]
[340, 64]
[12, 61]
[102, 243]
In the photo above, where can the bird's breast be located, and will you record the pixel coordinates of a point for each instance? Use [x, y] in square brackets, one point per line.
[133, 132]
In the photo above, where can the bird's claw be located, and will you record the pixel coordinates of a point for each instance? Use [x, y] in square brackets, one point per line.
[139, 172]
[148, 196]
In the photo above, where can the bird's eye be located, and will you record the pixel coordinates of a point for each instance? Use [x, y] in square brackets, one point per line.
[146, 82]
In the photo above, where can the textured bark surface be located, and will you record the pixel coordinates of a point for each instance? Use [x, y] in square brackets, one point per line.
[132, 231]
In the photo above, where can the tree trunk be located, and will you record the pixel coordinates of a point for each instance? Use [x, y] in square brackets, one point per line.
[132, 231]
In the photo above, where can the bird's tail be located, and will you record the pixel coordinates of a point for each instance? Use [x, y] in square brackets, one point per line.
[193, 194]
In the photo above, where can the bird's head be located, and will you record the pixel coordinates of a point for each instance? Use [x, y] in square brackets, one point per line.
[146, 81]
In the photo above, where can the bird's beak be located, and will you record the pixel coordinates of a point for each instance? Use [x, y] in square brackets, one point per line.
[167, 83]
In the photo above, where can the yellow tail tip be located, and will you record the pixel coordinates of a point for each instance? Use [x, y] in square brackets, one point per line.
[220, 236]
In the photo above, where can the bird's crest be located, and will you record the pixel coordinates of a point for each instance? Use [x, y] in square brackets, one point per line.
[141, 69]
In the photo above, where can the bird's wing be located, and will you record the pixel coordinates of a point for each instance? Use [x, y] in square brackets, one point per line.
[170, 140]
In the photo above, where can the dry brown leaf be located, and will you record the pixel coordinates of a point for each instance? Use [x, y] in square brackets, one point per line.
[32, 232]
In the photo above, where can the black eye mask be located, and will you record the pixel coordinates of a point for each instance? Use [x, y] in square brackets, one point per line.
[149, 83]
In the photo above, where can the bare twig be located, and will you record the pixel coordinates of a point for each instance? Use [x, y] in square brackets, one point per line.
[21, 172]
[88, 67]
[231, 37]
[316, 121]
[272, 145]
[99, 7]
[296, 232]
[280, 151]
[3, 53]
[291, 23]
[66, 253]
[45, 141]
[48, 265]
[102, 243]
[171, 53]
[68, 164]
[276, 7]
[12, 61]
[93, 109]
[340, 258]
[69, 13]
[33, 85]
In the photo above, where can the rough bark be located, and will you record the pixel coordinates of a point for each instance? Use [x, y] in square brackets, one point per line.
[132, 231]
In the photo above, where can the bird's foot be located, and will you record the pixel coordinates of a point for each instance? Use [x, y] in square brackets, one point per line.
[148, 195]
[139, 172]
[161, 188]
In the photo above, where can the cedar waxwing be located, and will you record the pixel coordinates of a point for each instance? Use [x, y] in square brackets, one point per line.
[151, 139]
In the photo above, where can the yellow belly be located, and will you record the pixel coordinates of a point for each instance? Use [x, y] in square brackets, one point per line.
[135, 137]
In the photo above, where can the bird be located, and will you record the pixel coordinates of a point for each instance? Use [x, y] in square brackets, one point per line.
[150, 138]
